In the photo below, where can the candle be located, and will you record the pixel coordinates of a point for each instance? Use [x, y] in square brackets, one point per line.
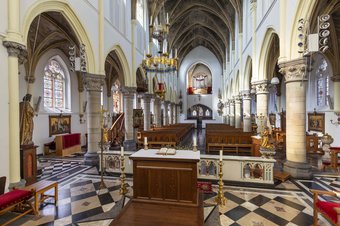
[195, 142]
[121, 151]
[150, 20]
[175, 53]
[145, 140]
[167, 18]
[221, 154]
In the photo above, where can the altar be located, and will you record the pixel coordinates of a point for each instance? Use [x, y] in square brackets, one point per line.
[164, 190]
[165, 178]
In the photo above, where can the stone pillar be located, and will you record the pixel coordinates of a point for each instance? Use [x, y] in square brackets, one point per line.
[166, 115]
[158, 110]
[14, 49]
[93, 85]
[238, 104]
[129, 95]
[294, 72]
[171, 114]
[227, 107]
[232, 112]
[261, 104]
[246, 111]
[336, 85]
[175, 113]
[147, 116]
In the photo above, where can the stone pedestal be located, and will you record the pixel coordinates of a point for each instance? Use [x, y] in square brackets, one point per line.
[93, 85]
[147, 116]
[238, 103]
[129, 142]
[294, 72]
[246, 111]
[232, 113]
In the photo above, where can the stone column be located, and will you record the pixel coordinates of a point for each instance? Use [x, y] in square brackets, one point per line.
[261, 104]
[175, 113]
[294, 72]
[238, 104]
[14, 49]
[232, 112]
[147, 116]
[227, 107]
[157, 109]
[166, 115]
[129, 95]
[246, 111]
[171, 113]
[336, 85]
[93, 85]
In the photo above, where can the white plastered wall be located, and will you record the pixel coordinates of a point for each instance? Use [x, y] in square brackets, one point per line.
[200, 55]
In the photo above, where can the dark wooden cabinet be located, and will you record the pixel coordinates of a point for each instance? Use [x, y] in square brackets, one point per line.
[28, 164]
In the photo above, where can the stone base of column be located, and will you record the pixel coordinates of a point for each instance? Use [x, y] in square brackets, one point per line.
[20, 184]
[91, 159]
[298, 170]
[129, 145]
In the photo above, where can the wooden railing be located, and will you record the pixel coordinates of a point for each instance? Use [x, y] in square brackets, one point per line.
[117, 131]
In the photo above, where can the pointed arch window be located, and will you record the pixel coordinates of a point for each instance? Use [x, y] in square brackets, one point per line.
[54, 85]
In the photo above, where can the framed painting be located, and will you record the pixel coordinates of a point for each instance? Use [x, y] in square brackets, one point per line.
[59, 124]
[138, 118]
[272, 119]
[316, 122]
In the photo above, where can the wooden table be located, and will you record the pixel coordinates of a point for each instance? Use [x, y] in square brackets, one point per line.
[40, 188]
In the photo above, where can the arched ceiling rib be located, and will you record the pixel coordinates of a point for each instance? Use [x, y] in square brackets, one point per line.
[208, 23]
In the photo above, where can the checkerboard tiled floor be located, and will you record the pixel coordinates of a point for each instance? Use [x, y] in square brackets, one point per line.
[79, 198]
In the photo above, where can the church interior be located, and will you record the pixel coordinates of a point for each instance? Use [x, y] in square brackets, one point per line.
[170, 112]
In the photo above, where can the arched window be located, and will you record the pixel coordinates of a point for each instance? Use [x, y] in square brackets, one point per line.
[322, 84]
[140, 11]
[54, 85]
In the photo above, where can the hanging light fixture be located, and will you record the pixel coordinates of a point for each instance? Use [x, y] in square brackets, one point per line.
[161, 64]
[275, 81]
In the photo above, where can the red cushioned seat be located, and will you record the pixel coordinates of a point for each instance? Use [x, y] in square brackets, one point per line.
[13, 197]
[328, 209]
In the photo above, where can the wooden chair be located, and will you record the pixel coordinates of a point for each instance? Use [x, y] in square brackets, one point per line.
[329, 210]
[2, 185]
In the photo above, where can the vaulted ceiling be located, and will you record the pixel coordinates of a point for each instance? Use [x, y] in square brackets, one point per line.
[208, 23]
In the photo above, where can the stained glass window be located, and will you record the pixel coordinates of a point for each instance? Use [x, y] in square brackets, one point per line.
[322, 84]
[54, 85]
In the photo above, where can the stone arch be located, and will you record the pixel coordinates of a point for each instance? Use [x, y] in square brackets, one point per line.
[142, 81]
[248, 71]
[128, 80]
[65, 9]
[265, 51]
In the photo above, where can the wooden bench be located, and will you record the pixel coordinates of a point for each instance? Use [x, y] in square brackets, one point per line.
[40, 188]
[16, 200]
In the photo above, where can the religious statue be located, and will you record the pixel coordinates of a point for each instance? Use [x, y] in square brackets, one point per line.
[265, 139]
[26, 120]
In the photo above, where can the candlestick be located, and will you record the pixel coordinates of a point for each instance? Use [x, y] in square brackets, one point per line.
[123, 189]
[121, 151]
[220, 199]
[146, 143]
[221, 155]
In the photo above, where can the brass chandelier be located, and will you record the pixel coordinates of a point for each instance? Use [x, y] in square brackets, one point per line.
[160, 64]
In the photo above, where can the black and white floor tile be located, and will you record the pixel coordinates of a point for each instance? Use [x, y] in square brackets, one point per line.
[81, 202]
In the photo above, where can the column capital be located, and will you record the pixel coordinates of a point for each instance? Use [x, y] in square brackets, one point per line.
[246, 94]
[30, 78]
[261, 86]
[335, 78]
[147, 97]
[15, 49]
[129, 90]
[94, 82]
[295, 70]
[253, 5]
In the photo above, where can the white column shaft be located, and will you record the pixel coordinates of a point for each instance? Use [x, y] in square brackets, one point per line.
[93, 121]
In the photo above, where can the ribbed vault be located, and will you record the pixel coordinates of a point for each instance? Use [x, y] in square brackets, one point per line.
[208, 23]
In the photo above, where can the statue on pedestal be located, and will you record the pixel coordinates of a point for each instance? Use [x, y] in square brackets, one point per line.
[26, 121]
[267, 150]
